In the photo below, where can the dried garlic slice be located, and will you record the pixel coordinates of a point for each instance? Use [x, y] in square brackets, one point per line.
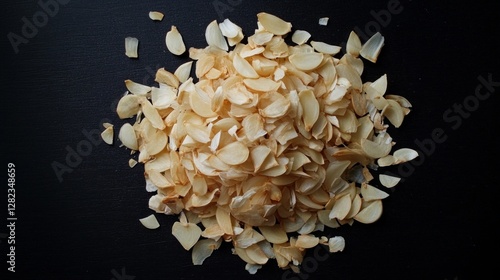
[204, 249]
[158, 16]
[274, 24]
[371, 48]
[107, 135]
[174, 41]
[186, 233]
[323, 21]
[370, 213]
[325, 48]
[404, 154]
[214, 37]
[127, 137]
[336, 244]
[388, 181]
[150, 222]
[131, 46]
[300, 37]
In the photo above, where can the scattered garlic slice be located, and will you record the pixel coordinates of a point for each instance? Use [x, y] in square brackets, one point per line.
[300, 37]
[132, 163]
[158, 16]
[186, 233]
[353, 45]
[404, 154]
[150, 222]
[214, 37]
[131, 46]
[174, 41]
[274, 24]
[183, 71]
[107, 135]
[127, 137]
[325, 48]
[203, 249]
[371, 48]
[388, 181]
[136, 88]
[323, 21]
[370, 213]
[306, 61]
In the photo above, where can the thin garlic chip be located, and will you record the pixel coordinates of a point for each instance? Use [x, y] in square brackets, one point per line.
[261, 84]
[183, 71]
[263, 143]
[323, 21]
[107, 135]
[325, 48]
[375, 150]
[174, 41]
[131, 45]
[393, 112]
[165, 77]
[353, 45]
[388, 181]
[186, 233]
[214, 37]
[243, 67]
[204, 249]
[152, 114]
[158, 16]
[404, 154]
[127, 137]
[229, 29]
[341, 208]
[310, 107]
[252, 268]
[336, 244]
[386, 161]
[306, 241]
[150, 222]
[132, 163]
[136, 88]
[300, 37]
[370, 193]
[234, 153]
[306, 61]
[274, 234]
[128, 106]
[371, 48]
[274, 24]
[370, 213]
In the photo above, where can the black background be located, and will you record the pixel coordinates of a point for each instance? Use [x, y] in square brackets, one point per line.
[438, 224]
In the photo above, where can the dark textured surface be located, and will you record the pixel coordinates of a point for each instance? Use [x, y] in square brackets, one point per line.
[67, 78]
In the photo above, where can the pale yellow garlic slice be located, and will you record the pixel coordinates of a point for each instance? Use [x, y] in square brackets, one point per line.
[300, 37]
[174, 41]
[274, 24]
[154, 15]
[131, 46]
[388, 181]
[371, 48]
[186, 233]
[107, 135]
[325, 48]
[214, 37]
[150, 222]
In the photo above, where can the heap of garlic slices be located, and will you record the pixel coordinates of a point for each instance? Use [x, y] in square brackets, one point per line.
[268, 145]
